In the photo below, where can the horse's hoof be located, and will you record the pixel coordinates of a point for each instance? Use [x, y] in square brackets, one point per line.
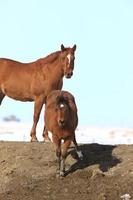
[34, 139]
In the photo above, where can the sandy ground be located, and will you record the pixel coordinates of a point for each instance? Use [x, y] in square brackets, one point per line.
[28, 172]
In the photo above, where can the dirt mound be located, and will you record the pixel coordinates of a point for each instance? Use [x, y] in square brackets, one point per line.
[28, 172]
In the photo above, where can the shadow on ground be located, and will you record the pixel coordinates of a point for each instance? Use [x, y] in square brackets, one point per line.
[94, 154]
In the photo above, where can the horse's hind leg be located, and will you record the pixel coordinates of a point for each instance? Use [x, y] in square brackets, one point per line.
[1, 97]
[79, 152]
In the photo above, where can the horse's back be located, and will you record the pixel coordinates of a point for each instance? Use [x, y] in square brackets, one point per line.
[8, 67]
[5, 69]
[15, 79]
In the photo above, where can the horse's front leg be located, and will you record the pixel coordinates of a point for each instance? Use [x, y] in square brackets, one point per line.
[37, 110]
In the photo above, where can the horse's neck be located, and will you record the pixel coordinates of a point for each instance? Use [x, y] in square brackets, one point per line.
[57, 68]
[50, 58]
[54, 66]
[55, 73]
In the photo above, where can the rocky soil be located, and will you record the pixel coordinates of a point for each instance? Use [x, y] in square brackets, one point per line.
[28, 172]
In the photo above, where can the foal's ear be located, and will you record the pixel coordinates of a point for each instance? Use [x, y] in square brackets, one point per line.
[62, 47]
[59, 99]
[62, 99]
[66, 100]
[74, 47]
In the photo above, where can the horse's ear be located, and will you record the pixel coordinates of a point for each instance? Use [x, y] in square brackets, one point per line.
[74, 47]
[62, 47]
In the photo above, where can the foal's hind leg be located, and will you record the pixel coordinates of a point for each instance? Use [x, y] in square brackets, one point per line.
[79, 152]
[45, 135]
[1, 97]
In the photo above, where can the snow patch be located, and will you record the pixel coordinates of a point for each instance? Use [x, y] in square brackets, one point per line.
[17, 131]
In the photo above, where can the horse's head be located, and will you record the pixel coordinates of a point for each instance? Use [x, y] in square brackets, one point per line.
[63, 111]
[68, 56]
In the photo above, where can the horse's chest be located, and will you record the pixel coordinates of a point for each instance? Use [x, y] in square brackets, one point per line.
[56, 85]
[47, 85]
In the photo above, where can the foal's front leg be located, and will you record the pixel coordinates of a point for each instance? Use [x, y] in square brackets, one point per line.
[66, 145]
[57, 145]
[37, 110]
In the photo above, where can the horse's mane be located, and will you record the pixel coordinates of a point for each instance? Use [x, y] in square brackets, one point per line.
[50, 58]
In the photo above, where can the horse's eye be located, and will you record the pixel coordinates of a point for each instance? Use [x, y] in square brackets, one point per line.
[63, 58]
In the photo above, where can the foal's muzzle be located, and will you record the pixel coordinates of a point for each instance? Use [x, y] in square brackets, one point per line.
[61, 123]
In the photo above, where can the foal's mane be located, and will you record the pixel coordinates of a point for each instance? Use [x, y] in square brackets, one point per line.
[50, 58]
[61, 100]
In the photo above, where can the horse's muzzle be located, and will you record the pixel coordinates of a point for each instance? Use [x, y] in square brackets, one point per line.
[68, 75]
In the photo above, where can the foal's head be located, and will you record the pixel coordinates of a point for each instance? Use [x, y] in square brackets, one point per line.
[68, 57]
[63, 111]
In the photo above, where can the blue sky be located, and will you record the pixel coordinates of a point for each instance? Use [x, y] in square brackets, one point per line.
[103, 31]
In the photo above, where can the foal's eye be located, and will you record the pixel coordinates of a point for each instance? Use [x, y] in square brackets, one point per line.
[56, 109]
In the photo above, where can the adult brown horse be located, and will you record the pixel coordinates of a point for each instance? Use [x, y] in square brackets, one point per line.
[61, 120]
[34, 81]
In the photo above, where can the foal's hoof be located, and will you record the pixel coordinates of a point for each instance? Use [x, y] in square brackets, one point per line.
[34, 139]
[80, 155]
[47, 140]
[60, 174]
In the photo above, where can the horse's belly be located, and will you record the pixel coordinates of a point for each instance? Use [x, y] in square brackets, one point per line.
[19, 97]
[16, 93]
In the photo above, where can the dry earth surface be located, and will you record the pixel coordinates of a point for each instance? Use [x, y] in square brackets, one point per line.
[28, 172]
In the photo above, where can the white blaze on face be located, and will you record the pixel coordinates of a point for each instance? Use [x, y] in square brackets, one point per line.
[69, 58]
[61, 105]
